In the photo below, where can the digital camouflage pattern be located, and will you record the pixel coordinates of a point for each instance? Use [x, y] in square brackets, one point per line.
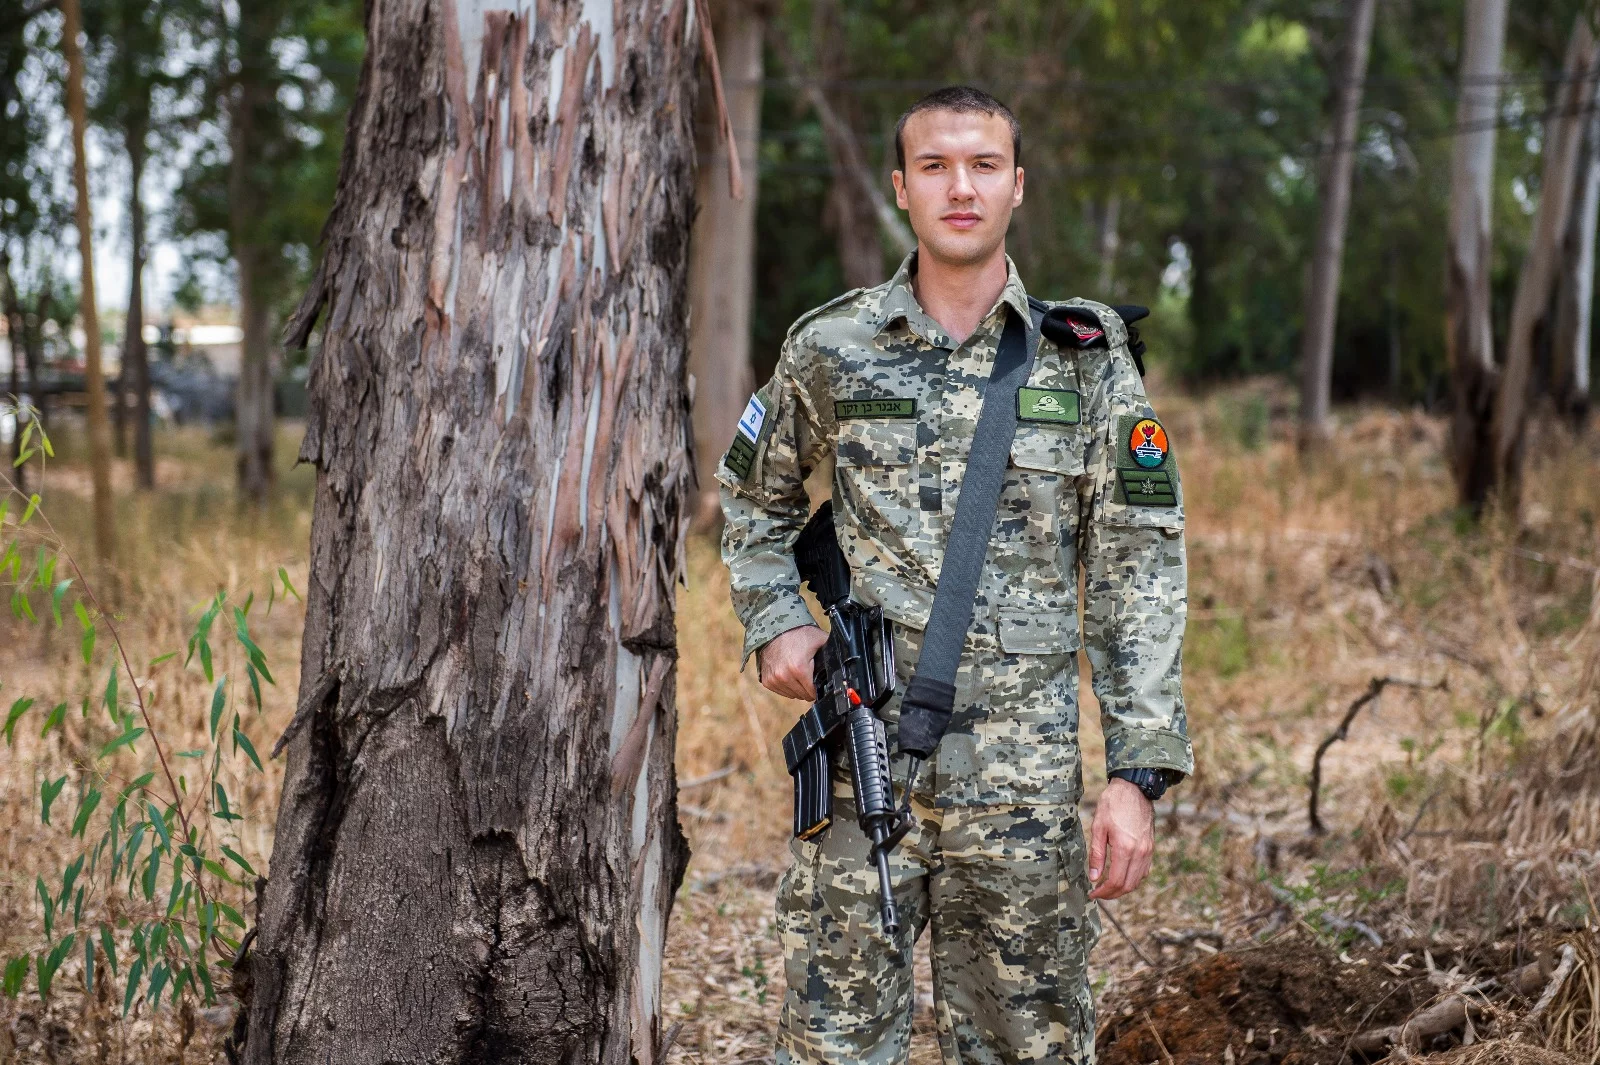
[1004, 890]
[876, 385]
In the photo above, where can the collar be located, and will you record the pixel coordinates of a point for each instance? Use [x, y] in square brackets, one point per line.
[900, 303]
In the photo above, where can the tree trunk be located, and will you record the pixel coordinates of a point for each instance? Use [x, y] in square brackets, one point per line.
[1322, 298]
[1536, 283]
[1469, 335]
[1575, 304]
[478, 845]
[135, 356]
[94, 379]
[1107, 241]
[722, 252]
[16, 330]
[253, 258]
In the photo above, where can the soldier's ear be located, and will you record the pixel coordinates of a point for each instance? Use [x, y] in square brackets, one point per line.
[1016, 189]
[898, 179]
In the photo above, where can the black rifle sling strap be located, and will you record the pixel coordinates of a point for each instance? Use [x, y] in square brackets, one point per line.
[930, 697]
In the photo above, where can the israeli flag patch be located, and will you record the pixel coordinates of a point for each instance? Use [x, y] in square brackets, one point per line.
[754, 416]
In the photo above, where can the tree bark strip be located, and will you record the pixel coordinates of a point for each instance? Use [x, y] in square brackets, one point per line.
[1469, 335]
[1536, 283]
[94, 378]
[1322, 300]
[722, 249]
[478, 846]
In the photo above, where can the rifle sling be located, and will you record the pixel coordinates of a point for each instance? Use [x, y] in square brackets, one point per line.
[930, 697]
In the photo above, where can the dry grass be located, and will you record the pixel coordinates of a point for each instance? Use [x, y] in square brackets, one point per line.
[1458, 817]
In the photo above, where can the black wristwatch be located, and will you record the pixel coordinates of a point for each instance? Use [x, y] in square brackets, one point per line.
[1152, 782]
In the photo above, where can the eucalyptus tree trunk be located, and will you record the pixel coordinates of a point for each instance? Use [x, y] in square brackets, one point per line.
[1322, 298]
[1469, 334]
[249, 104]
[135, 355]
[477, 846]
[722, 251]
[1570, 370]
[94, 378]
[1536, 284]
[16, 332]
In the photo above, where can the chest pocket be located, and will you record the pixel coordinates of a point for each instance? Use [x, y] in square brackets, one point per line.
[875, 463]
[1040, 484]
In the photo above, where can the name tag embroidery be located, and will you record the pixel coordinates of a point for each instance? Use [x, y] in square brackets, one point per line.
[874, 408]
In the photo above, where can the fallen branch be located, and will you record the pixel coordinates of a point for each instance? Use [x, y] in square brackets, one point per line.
[1569, 958]
[1374, 689]
[709, 778]
[1448, 1013]
[1168, 938]
[1124, 933]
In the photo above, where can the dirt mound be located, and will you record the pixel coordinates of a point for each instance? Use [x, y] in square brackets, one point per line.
[1294, 1004]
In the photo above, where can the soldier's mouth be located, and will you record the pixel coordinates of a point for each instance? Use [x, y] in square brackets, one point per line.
[962, 220]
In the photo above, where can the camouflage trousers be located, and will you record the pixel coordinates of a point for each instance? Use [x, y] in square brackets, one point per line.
[1005, 891]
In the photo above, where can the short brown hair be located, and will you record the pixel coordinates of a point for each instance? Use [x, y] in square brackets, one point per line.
[966, 100]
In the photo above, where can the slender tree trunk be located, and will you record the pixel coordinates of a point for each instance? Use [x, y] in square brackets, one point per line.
[1575, 304]
[1536, 283]
[15, 331]
[94, 379]
[116, 389]
[1322, 298]
[478, 846]
[253, 258]
[1107, 241]
[722, 252]
[1469, 335]
[135, 356]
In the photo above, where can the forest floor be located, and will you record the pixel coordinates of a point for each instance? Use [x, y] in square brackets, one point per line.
[1461, 807]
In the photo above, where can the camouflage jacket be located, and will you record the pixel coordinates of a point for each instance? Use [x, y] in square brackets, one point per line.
[875, 384]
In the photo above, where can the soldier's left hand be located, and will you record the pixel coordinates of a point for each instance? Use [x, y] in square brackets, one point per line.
[1121, 840]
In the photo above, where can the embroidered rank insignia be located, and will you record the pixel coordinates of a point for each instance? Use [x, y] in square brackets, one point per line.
[1148, 488]
[1058, 406]
[1148, 443]
[874, 408]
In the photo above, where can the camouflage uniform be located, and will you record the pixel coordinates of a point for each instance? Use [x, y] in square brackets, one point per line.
[997, 861]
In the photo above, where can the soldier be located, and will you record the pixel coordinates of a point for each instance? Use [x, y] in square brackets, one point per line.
[888, 383]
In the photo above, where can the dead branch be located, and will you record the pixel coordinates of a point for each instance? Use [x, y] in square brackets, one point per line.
[1448, 1013]
[1124, 933]
[710, 778]
[1374, 689]
[1569, 958]
[1168, 938]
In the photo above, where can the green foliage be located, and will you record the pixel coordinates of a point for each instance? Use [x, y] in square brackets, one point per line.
[151, 851]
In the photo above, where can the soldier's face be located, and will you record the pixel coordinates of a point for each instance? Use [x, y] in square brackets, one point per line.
[959, 185]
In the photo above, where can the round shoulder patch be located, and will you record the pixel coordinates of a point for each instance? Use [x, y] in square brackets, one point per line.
[1148, 443]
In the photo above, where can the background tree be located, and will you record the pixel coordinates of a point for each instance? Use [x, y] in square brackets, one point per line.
[500, 433]
[722, 246]
[94, 380]
[1322, 299]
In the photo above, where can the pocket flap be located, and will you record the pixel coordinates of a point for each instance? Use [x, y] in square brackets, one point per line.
[863, 443]
[1040, 447]
[1037, 632]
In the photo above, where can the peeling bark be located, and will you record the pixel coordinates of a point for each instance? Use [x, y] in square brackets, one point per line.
[1575, 303]
[478, 844]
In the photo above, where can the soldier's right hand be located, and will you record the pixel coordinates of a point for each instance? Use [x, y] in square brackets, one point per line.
[785, 662]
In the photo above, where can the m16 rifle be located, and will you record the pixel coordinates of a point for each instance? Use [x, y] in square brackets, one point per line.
[854, 675]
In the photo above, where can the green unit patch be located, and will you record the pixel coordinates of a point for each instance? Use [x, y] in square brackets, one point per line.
[1058, 406]
[740, 456]
[1147, 488]
[874, 408]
